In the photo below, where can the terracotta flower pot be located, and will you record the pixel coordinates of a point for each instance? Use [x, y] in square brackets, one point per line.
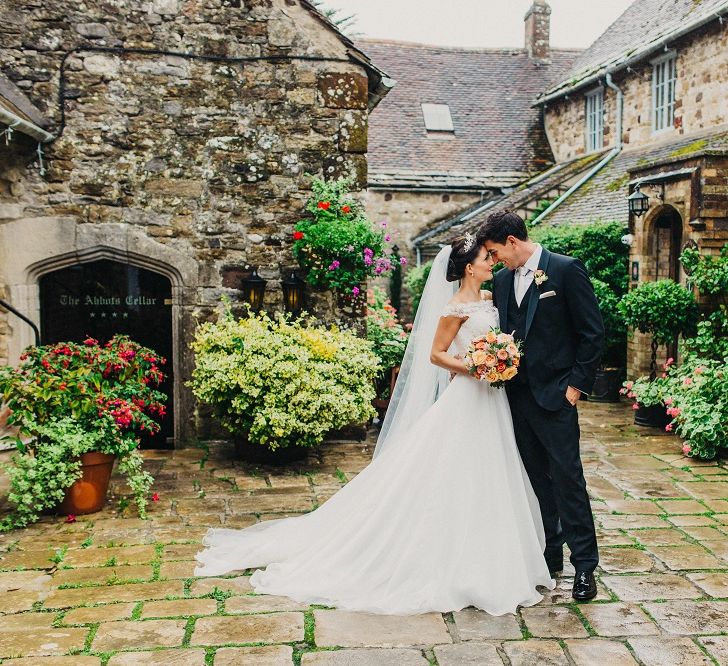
[88, 494]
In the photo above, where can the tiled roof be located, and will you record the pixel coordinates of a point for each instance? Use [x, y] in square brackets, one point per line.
[546, 185]
[489, 92]
[604, 197]
[642, 26]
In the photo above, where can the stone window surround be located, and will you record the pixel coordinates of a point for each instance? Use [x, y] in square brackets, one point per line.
[73, 243]
[594, 120]
[664, 69]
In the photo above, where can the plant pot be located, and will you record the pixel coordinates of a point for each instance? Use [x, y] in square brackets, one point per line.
[654, 416]
[257, 453]
[88, 494]
[607, 383]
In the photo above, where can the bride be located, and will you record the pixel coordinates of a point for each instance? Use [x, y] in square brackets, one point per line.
[444, 517]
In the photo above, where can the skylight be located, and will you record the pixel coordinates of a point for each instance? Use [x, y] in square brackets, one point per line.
[437, 118]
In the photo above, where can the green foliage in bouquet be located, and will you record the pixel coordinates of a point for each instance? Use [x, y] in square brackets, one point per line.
[281, 382]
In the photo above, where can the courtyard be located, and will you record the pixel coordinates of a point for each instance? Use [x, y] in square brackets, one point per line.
[117, 590]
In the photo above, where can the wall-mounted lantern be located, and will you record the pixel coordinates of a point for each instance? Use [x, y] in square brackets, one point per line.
[639, 203]
[293, 293]
[253, 288]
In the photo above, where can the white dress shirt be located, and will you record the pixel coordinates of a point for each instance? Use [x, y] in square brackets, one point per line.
[524, 274]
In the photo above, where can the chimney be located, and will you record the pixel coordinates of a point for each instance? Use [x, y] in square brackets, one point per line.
[538, 25]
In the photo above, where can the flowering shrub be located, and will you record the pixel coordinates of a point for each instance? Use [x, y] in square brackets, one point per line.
[388, 338]
[73, 398]
[695, 393]
[338, 246]
[415, 282]
[282, 382]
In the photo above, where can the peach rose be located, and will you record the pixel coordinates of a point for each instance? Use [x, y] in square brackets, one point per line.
[479, 357]
[491, 337]
[502, 354]
[490, 360]
[512, 349]
[500, 367]
[503, 337]
[509, 373]
[492, 376]
[480, 345]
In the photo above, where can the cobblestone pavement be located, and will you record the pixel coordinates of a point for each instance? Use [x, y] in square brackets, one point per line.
[120, 590]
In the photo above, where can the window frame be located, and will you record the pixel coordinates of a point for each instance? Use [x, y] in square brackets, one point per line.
[596, 114]
[446, 126]
[664, 83]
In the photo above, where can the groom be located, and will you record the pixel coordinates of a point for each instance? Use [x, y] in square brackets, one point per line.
[548, 300]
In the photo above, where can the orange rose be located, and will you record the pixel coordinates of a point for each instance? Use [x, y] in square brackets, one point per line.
[480, 345]
[491, 337]
[490, 360]
[500, 367]
[516, 361]
[502, 354]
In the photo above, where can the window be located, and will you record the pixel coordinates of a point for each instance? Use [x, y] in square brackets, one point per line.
[595, 120]
[437, 118]
[663, 92]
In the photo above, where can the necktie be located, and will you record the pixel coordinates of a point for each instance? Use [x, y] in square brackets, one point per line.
[522, 285]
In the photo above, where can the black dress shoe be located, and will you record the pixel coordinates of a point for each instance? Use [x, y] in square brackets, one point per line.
[585, 587]
[555, 568]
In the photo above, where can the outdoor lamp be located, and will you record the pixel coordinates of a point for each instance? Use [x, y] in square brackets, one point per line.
[253, 288]
[293, 293]
[638, 203]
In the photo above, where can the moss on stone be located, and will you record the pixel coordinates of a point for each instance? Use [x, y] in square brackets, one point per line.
[617, 183]
[690, 148]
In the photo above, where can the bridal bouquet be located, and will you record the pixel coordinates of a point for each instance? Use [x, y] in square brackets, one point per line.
[493, 357]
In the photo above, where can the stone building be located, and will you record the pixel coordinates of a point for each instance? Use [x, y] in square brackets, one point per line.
[645, 104]
[459, 128]
[175, 138]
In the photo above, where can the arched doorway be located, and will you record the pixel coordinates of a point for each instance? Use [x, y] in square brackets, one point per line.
[666, 239]
[104, 297]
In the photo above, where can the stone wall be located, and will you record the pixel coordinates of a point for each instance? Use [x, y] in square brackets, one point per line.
[701, 201]
[702, 79]
[196, 166]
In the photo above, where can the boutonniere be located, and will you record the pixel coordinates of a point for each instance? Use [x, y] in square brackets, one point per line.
[539, 277]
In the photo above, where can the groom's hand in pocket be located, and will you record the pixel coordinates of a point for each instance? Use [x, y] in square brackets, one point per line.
[573, 395]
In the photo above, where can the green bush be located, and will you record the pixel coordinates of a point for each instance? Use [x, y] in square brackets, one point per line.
[281, 382]
[615, 342]
[663, 309]
[415, 280]
[388, 337]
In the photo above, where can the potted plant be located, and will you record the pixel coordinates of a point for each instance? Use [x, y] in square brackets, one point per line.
[280, 385]
[389, 341]
[337, 246]
[664, 310]
[77, 408]
[610, 374]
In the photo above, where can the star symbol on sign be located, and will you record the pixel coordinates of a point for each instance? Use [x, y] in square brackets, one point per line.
[114, 315]
[93, 314]
[103, 314]
[126, 314]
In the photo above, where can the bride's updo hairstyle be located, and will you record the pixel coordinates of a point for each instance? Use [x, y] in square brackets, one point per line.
[465, 250]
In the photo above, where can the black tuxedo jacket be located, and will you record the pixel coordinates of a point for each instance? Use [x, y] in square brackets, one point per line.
[564, 331]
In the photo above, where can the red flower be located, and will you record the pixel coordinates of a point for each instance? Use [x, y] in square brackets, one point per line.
[298, 235]
[345, 209]
[71, 518]
[90, 342]
[324, 205]
[155, 497]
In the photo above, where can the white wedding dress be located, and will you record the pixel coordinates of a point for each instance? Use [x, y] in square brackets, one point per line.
[443, 519]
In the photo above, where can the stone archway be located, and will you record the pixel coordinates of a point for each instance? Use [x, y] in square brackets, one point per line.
[662, 240]
[34, 247]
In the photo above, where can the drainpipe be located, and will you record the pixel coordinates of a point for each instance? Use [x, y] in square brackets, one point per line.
[20, 125]
[602, 163]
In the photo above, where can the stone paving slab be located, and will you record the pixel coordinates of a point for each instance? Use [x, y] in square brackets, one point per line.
[668, 652]
[273, 655]
[269, 628]
[349, 629]
[76, 660]
[541, 652]
[553, 622]
[183, 657]
[717, 646]
[683, 617]
[618, 619]
[595, 651]
[473, 624]
[652, 586]
[113, 636]
[468, 654]
[38, 642]
[368, 657]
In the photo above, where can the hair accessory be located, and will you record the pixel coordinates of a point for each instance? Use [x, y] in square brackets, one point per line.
[469, 242]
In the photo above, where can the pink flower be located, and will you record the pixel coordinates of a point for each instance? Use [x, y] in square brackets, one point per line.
[700, 370]
[687, 381]
[670, 361]
[384, 225]
[635, 406]
[686, 449]
[664, 375]
[403, 261]
[631, 394]
[355, 291]
[668, 401]
[387, 238]
[71, 518]
[628, 385]
[668, 427]
[334, 265]
[155, 497]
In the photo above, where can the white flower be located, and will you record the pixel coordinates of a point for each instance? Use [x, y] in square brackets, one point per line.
[539, 277]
